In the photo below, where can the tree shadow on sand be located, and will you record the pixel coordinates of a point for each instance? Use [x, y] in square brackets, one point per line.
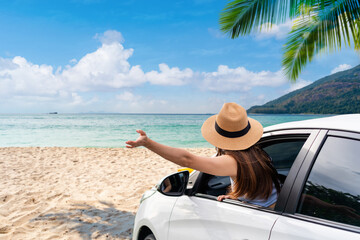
[91, 222]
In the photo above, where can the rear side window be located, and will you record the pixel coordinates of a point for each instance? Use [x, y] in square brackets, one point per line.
[332, 190]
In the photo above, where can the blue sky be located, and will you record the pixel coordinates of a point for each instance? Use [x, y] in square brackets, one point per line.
[141, 57]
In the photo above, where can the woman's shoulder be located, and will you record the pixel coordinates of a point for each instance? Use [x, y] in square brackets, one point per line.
[226, 156]
[223, 165]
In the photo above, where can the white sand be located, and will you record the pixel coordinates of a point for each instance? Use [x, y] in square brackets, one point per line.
[75, 193]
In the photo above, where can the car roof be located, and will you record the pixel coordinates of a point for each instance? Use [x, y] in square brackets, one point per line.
[346, 122]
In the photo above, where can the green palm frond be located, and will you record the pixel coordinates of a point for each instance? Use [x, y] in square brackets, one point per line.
[321, 25]
[241, 17]
[357, 36]
[325, 28]
[299, 6]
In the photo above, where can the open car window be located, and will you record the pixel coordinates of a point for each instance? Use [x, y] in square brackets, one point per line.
[283, 151]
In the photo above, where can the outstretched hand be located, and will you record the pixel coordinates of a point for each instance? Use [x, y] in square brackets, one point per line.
[141, 141]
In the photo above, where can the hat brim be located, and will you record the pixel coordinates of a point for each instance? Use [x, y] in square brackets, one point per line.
[213, 137]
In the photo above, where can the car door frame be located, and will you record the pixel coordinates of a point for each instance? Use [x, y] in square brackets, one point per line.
[292, 202]
[274, 135]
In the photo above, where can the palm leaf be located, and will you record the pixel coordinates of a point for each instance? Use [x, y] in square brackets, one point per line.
[241, 17]
[324, 25]
[297, 6]
[325, 28]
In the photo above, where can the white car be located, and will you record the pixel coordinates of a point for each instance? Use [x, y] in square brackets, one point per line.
[318, 162]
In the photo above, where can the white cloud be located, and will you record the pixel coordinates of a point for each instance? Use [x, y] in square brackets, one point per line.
[126, 96]
[105, 69]
[130, 103]
[76, 99]
[227, 79]
[273, 30]
[300, 83]
[73, 61]
[341, 67]
[7, 64]
[108, 70]
[20, 77]
[109, 37]
[261, 97]
[170, 76]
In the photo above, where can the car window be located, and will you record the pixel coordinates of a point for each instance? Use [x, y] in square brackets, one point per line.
[283, 153]
[332, 189]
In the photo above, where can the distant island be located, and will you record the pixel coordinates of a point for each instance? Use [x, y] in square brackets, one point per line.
[338, 93]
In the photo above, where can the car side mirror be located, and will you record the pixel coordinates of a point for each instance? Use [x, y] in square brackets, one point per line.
[175, 184]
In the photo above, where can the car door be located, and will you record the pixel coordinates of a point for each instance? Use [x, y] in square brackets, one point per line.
[324, 202]
[200, 216]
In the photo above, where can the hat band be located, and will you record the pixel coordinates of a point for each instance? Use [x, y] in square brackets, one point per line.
[227, 134]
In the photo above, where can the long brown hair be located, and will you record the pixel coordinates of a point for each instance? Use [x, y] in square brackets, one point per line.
[255, 173]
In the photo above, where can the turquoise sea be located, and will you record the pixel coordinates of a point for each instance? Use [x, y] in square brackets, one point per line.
[112, 130]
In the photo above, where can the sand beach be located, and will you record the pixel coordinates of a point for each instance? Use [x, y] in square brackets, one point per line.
[75, 193]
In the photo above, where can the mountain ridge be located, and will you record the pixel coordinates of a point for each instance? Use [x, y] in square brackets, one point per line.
[338, 93]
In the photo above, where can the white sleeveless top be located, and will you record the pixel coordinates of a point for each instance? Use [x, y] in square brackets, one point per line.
[260, 202]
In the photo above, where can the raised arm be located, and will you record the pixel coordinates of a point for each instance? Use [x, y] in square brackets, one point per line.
[220, 166]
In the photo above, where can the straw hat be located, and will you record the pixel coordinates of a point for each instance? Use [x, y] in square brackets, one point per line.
[231, 129]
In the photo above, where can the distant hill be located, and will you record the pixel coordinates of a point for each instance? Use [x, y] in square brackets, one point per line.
[338, 93]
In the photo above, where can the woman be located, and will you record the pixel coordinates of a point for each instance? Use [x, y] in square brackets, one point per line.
[253, 178]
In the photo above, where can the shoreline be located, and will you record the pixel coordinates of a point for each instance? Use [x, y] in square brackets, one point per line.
[72, 192]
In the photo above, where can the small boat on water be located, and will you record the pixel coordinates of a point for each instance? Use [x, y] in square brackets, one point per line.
[53, 112]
